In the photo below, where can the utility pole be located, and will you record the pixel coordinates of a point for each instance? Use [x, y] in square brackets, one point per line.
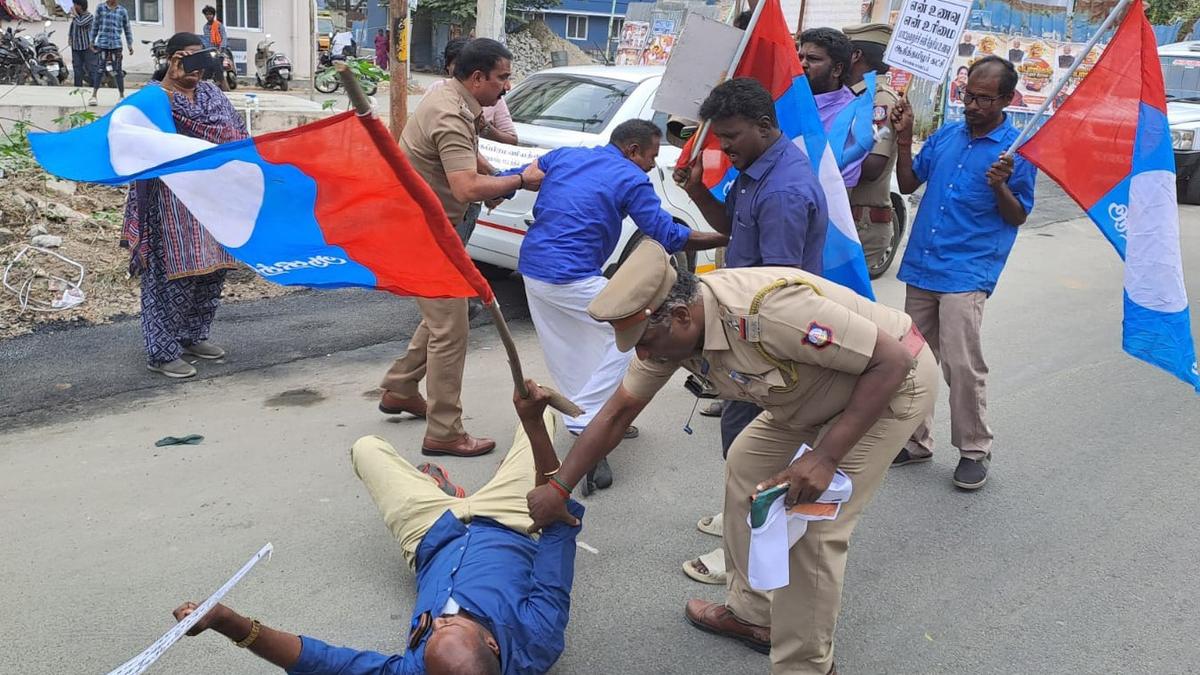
[398, 26]
[489, 19]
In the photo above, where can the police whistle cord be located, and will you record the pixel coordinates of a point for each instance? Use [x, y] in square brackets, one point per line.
[362, 106]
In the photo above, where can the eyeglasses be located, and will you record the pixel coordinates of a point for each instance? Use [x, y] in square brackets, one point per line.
[984, 101]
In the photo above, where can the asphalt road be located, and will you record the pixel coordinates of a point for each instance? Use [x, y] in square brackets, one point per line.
[1077, 557]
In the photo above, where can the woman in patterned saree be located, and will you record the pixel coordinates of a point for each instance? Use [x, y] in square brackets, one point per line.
[182, 267]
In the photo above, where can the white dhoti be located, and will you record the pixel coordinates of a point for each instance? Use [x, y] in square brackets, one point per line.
[580, 352]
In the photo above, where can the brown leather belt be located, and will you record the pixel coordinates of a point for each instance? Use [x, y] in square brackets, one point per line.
[913, 341]
[878, 214]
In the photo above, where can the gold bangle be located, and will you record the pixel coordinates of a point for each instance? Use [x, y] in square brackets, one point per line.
[255, 627]
[551, 473]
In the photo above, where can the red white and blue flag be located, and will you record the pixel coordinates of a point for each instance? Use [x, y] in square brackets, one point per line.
[329, 204]
[770, 57]
[1109, 147]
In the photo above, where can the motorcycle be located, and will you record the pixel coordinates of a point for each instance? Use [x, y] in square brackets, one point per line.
[158, 51]
[20, 63]
[48, 54]
[327, 81]
[272, 68]
[229, 80]
[108, 68]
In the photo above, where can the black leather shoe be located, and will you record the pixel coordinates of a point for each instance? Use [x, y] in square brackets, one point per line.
[971, 474]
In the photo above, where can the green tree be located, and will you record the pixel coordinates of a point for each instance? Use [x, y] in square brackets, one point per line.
[464, 10]
[1169, 11]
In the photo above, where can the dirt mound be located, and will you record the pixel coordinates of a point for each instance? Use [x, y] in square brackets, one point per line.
[532, 46]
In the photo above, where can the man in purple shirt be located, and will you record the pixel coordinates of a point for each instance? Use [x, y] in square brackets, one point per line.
[825, 54]
[774, 214]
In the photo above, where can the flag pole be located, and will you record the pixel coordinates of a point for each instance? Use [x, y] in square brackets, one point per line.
[1087, 49]
[362, 105]
[698, 144]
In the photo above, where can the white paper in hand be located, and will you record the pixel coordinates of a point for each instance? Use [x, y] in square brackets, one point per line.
[141, 662]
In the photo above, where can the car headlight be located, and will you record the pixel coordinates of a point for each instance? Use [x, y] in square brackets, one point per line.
[1183, 139]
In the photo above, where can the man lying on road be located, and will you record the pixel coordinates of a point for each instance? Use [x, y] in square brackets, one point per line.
[490, 599]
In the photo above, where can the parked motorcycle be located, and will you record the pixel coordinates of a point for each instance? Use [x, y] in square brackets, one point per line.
[108, 68]
[19, 62]
[48, 54]
[327, 81]
[271, 68]
[229, 80]
[158, 50]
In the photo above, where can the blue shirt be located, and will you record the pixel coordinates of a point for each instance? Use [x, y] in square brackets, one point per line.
[518, 588]
[108, 26]
[959, 241]
[585, 195]
[777, 212]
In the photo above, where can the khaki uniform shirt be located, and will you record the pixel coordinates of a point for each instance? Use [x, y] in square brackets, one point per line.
[443, 137]
[819, 335]
[877, 193]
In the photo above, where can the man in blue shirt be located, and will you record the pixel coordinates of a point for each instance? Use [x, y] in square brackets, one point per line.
[490, 599]
[111, 22]
[976, 199]
[775, 214]
[584, 197]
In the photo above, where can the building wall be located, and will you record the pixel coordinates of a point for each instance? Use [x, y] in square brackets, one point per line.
[287, 21]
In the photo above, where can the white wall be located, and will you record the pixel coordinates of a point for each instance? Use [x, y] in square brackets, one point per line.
[286, 20]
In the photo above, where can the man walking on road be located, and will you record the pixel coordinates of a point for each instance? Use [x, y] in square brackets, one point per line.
[441, 141]
[585, 195]
[825, 55]
[849, 377]
[775, 214]
[976, 199]
[80, 33]
[110, 23]
[489, 598]
[871, 199]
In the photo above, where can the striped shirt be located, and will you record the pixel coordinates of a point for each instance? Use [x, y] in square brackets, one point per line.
[108, 26]
[81, 32]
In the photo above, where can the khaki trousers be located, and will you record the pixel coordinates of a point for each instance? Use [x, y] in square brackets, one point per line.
[874, 233]
[803, 615]
[951, 324]
[411, 502]
[438, 348]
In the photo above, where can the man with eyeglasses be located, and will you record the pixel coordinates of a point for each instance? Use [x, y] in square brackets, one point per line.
[975, 200]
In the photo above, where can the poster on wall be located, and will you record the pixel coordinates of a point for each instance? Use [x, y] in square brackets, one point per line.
[659, 51]
[664, 27]
[634, 35]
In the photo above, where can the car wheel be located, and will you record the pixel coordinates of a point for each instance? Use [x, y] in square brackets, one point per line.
[493, 272]
[899, 219]
[680, 260]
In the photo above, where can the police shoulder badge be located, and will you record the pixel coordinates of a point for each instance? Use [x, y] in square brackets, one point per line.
[819, 336]
[881, 113]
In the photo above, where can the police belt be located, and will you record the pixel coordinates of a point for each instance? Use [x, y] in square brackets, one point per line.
[878, 214]
[913, 341]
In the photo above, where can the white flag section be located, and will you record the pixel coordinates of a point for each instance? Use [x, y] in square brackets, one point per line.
[141, 662]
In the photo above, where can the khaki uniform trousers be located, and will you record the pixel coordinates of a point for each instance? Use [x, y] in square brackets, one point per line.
[411, 502]
[438, 349]
[803, 614]
[951, 324]
[874, 226]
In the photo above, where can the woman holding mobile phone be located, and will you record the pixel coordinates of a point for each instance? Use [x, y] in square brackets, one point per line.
[182, 268]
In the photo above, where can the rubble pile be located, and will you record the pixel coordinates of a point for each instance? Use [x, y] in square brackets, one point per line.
[82, 223]
[532, 46]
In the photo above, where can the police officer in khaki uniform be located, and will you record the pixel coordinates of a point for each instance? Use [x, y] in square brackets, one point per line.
[847, 376]
[441, 141]
[870, 200]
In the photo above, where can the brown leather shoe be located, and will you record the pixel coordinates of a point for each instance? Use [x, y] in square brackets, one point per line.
[716, 618]
[465, 446]
[391, 404]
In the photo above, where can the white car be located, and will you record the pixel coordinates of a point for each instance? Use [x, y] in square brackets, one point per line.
[577, 107]
[580, 106]
[1181, 75]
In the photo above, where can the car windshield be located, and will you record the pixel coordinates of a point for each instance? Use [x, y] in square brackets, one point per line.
[1181, 75]
[569, 102]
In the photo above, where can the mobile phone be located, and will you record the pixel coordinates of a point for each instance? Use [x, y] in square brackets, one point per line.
[200, 60]
[762, 503]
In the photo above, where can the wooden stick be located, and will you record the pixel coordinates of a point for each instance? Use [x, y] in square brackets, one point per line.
[557, 401]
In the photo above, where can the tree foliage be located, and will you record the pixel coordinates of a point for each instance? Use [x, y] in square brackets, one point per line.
[463, 11]
[1169, 11]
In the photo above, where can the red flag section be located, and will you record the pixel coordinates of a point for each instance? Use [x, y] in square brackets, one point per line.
[372, 203]
[1103, 113]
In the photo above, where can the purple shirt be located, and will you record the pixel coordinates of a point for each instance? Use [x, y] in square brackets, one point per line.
[828, 107]
[777, 212]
